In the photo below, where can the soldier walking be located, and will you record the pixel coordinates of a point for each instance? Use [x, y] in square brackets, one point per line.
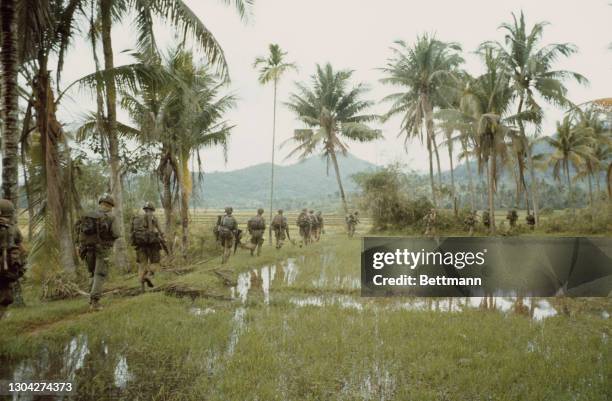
[351, 223]
[470, 222]
[486, 219]
[319, 217]
[257, 227]
[512, 218]
[97, 233]
[14, 254]
[303, 223]
[530, 219]
[227, 229]
[147, 238]
[430, 223]
[281, 228]
[314, 226]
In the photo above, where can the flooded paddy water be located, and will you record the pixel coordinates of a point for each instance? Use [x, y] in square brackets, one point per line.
[297, 329]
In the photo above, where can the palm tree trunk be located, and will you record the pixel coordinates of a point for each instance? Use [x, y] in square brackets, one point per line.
[569, 184]
[427, 111]
[470, 180]
[431, 174]
[9, 104]
[272, 170]
[332, 154]
[185, 183]
[113, 139]
[491, 185]
[534, 185]
[452, 172]
[435, 146]
[590, 189]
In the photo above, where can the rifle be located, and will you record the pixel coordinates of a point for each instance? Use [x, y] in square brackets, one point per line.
[237, 237]
[164, 246]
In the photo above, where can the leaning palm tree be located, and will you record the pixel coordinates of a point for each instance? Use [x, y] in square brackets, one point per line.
[271, 69]
[422, 70]
[332, 111]
[533, 76]
[572, 144]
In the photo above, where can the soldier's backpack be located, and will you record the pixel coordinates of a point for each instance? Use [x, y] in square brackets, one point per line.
[142, 233]
[278, 221]
[11, 264]
[256, 223]
[228, 224]
[94, 228]
[303, 220]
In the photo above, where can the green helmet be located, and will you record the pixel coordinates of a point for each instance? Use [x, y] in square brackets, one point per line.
[229, 209]
[106, 198]
[7, 209]
[149, 205]
[280, 211]
[260, 211]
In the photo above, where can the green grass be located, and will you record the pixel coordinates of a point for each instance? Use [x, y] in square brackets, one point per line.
[179, 349]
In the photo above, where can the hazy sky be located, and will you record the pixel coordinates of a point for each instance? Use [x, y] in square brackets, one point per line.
[357, 34]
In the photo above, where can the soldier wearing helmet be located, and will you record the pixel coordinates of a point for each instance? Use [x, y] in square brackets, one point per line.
[228, 233]
[97, 232]
[280, 227]
[314, 226]
[257, 227]
[148, 239]
[12, 255]
[304, 224]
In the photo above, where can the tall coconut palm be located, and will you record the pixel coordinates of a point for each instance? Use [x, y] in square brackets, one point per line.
[182, 18]
[271, 69]
[423, 70]
[572, 145]
[332, 111]
[531, 67]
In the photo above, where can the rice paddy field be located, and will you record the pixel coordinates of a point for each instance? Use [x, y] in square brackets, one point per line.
[291, 325]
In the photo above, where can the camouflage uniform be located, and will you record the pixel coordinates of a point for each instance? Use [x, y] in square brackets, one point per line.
[486, 219]
[512, 217]
[97, 254]
[280, 227]
[351, 223]
[228, 229]
[470, 222]
[303, 223]
[530, 219]
[314, 226]
[13, 254]
[319, 218]
[146, 237]
[430, 223]
[257, 227]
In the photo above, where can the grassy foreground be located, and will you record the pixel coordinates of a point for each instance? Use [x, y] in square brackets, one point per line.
[294, 328]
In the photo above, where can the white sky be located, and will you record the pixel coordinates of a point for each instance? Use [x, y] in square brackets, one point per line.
[357, 34]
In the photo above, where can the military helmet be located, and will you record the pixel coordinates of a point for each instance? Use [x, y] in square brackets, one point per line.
[229, 209]
[311, 211]
[149, 205]
[7, 209]
[280, 211]
[260, 211]
[304, 210]
[106, 198]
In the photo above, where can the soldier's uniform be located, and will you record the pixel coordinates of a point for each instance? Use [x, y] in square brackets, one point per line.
[303, 223]
[12, 253]
[351, 223]
[227, 229]
[146, 237]
[257, 227]
[512, 217]
[319, 218]
[97, 234]
[470, 222]
[530, 219]
[314, 226]
[280, 227]
[430, 223]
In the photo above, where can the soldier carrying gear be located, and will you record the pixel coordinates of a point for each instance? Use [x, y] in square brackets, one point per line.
[320, 227]
[304, 225]
[146, 238]
[486, 219]
[12, 266]
[430, 223]
[470, 222]
[228, 228]
[280, 227]
[351, 223]
[97, 232]
[257, 227]
[530, 219]
[314, 225]
[512, 217]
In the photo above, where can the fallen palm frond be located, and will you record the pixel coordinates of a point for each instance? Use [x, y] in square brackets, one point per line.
[59, 286]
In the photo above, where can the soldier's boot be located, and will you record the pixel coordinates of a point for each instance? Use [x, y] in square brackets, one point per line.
[149, 282]
[94, 305]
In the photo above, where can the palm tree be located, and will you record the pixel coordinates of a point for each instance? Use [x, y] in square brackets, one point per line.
[531, 68]
[573, 145]
[423, 70]
[332, 112]
[271, 69]
[182, 18]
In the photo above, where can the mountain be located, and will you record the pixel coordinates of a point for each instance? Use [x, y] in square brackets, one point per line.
[308, 182]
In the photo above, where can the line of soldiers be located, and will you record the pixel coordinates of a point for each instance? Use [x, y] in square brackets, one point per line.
[13, 253]
[310, 226]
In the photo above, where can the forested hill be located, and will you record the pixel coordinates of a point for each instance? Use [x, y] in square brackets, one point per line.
[307, 183]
